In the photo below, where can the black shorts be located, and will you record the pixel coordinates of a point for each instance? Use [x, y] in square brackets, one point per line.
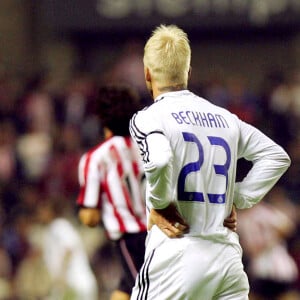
[131, 249]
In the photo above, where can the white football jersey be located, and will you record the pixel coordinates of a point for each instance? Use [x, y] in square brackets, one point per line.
[190, 149]
[110, 177]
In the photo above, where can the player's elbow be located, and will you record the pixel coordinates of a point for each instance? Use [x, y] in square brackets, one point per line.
[287, 161]
[284, 161]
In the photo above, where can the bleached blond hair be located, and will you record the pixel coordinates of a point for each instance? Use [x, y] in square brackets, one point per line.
[167, 54]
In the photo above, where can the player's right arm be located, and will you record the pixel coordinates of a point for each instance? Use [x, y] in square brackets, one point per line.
[88, 199]
[157, 158]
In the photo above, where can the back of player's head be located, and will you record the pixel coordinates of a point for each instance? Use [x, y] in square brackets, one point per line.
[167, 54]
[116, 104]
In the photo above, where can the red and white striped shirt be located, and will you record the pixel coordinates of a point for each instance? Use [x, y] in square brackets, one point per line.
[110, 178]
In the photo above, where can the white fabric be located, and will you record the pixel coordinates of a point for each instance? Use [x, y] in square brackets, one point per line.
[190, 268]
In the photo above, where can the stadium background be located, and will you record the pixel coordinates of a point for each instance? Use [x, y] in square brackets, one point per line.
[246, 57]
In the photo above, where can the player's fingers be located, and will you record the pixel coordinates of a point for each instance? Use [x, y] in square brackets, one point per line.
[168, 229]
[230, 221]
[169, 232]
[179, 228]
[231, 224]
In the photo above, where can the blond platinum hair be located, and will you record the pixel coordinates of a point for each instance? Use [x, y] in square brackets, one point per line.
[167, 54]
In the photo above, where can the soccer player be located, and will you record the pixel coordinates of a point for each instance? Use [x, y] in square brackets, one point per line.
[190, 149]
[110, 176]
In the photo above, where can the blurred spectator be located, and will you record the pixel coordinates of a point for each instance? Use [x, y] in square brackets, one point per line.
[279, 113]
[8, 99]
[34, 149]
[31, 279]
[264, 230]
[35, 110]
[292, 177]
[6, 288]
[216, 92]
[129, 69]
[65, 256]
[35, 113]
[241, 101]
[8, 157]
[78, 105]
[295, 103]
[60, 178]
[10, 170]
[14, 239]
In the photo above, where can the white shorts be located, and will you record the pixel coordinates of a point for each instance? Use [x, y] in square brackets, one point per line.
[192, 269]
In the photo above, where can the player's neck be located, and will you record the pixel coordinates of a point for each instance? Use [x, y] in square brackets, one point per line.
[167, 88]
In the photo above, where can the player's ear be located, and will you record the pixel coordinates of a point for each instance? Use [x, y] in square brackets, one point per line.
[147, 74]
[107, 132]
[190, 72]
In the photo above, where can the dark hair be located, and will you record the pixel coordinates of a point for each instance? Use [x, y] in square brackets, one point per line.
[116, 104]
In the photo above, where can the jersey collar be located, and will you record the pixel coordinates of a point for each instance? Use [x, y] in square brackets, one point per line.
[171, 94]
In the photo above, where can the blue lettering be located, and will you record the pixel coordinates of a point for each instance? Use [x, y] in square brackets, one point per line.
[182, 115]
[196, 118]
[212, 120]
[188, 115]
[204, 119]
[200, 119]
[177, 118]
[221, 119]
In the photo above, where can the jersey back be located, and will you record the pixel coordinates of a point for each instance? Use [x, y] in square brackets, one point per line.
[204, 142]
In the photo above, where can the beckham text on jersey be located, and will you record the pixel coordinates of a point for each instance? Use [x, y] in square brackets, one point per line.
[201, 119]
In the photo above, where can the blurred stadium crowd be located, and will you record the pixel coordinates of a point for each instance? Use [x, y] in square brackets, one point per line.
[44, 131]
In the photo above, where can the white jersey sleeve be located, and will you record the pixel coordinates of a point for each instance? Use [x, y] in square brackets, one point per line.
[269, 161]
[157, 157]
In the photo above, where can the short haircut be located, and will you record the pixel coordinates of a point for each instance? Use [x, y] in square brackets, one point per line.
[116, 104]
[167, 54]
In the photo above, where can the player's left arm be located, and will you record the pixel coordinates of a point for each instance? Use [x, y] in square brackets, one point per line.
[269, 162]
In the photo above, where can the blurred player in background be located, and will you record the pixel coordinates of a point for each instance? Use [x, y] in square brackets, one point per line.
[110, 177]
[190, 149]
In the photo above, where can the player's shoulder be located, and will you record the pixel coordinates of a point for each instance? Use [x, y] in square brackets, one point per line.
[140, 115]
[144, 121]
[99, 150]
